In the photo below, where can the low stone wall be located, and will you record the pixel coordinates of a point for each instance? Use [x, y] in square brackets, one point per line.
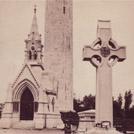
[53, 121]
[42, 121]
[87, 120]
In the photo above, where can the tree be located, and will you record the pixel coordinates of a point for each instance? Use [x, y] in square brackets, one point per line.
[117, 107]
[131, 112]
[76, 104]
[120, 99]
[128, 101]
[89, 102]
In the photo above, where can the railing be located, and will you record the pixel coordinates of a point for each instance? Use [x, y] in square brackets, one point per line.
[104, 124]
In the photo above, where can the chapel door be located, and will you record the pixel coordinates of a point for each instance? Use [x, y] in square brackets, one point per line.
[27, 105]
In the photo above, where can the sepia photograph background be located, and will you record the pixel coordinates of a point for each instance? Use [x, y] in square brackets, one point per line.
[15, 22]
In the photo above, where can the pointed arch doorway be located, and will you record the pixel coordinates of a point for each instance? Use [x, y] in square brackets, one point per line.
[26, 105]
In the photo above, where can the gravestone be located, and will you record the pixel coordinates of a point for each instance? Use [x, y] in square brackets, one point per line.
[103, 54]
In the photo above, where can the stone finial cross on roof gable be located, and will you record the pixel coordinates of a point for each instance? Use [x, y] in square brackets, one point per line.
[103, 54]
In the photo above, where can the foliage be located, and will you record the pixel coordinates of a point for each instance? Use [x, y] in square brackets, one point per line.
[124, 116]
[120, 99]
[128, 101]
[88, 102]
[123, 111]
[131, 113]
[76, 104]
[119, 111]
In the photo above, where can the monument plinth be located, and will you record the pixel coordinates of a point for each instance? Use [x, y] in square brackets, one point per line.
[103, 54]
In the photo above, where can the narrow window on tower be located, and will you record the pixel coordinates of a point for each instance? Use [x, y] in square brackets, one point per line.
[35, 55]
[64, 9]
[30, 55]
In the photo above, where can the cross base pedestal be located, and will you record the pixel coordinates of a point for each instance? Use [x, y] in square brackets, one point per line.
[103, 131]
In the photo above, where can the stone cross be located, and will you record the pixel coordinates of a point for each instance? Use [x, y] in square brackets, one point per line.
[103, 54]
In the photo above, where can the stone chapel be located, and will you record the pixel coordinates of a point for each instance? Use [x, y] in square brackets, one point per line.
[44, 85]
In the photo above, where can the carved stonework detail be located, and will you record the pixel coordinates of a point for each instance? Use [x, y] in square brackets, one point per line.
[105, 51]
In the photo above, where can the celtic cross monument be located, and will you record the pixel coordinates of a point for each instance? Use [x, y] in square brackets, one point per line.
[103, 54]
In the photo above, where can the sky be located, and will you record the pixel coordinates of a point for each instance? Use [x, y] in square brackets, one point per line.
[15, 22]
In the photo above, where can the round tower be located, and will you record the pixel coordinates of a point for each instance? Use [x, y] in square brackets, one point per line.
[59, 49]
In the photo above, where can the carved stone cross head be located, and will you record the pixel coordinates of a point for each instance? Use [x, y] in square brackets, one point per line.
[104, 50]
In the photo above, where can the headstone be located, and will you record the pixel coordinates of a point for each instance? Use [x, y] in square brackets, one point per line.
[103, 54]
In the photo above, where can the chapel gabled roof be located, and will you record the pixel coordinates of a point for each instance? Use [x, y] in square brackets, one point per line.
[31, 73]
